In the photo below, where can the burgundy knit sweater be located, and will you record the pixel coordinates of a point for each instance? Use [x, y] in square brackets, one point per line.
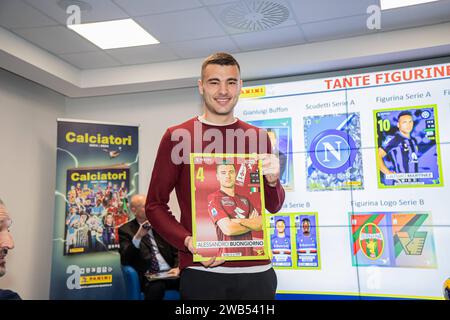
[166, 176]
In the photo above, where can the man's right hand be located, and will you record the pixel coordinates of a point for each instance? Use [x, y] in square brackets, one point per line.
[141, 231]
[211, 263]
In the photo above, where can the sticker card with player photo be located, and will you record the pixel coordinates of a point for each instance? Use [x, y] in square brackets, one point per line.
[228, 207]
[307, 241]
[280, 240]
[407, 147]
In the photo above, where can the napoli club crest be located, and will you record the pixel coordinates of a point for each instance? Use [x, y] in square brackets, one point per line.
[333, 151]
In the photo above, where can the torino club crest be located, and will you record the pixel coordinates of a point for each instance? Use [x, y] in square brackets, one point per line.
[334, 160]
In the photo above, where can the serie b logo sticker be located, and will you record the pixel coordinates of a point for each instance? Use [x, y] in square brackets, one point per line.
[333, 151]
[371, 241]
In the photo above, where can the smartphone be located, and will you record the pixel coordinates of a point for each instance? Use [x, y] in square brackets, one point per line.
[146, 226]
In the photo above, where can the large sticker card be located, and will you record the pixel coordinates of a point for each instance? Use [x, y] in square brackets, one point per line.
[228, 207]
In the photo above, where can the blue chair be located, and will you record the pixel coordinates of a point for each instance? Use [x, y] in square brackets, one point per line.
[132, 283]
[171, 295]
[133, 287]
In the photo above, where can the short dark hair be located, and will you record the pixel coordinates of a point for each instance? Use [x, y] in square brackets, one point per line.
[306, 220]
[281, 221]
[404, 113]
[224, 163]
[220, 58]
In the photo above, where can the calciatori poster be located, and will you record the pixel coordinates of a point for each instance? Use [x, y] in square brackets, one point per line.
[97, 172]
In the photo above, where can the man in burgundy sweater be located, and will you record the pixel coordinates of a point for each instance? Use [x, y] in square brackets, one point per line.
[216, 131]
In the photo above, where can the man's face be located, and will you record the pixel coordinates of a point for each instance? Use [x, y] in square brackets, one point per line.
[280, 226]
[405, 124]
[6, 240]
[138, 207]
[220, 87]
[226, 175]
[109, 220]
[305, 226]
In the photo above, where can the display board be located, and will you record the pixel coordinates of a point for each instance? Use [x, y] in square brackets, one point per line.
[366, 158]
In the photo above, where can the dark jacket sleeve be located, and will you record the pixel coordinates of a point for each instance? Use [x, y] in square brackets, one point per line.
[128, 252]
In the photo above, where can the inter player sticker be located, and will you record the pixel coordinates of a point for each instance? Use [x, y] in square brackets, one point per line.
[228, 207]
[407, 147]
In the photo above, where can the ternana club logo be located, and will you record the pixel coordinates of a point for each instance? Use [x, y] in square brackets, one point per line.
[371, 241]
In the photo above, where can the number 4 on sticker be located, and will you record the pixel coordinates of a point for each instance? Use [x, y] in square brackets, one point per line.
[200, 174]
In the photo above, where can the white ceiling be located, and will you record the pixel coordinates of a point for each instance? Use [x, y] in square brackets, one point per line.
[192, 29]
[195, 28]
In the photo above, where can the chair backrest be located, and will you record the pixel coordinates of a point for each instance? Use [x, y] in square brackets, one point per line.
[132, 283]
[171, 295]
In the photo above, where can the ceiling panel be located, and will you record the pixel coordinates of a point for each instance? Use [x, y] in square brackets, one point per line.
[216, 2]
[16, 14]
[317, 10]
[249, 16]
[282, 37]
[96, 10]
[203, 47]
[336, 28]
[90, 60]
[146, 7]
[56, 39]
[180, 26]
[426, 14]
[143, 54]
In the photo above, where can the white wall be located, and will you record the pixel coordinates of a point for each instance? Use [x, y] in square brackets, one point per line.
[153, 111]
[28, 114]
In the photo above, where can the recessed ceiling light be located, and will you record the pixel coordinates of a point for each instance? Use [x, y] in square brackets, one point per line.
[391, 4]
[114, 34]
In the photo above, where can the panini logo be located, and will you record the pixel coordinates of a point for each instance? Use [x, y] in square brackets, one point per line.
[253, 92]
[88, 280]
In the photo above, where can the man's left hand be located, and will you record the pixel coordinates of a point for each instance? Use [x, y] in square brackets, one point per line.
[174, 272]
[270, 168]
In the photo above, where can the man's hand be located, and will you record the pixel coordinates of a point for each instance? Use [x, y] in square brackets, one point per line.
[270, 168]
[174, 272]
[254, 214]
[188, 244]
[141, 231]
[211, 263]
